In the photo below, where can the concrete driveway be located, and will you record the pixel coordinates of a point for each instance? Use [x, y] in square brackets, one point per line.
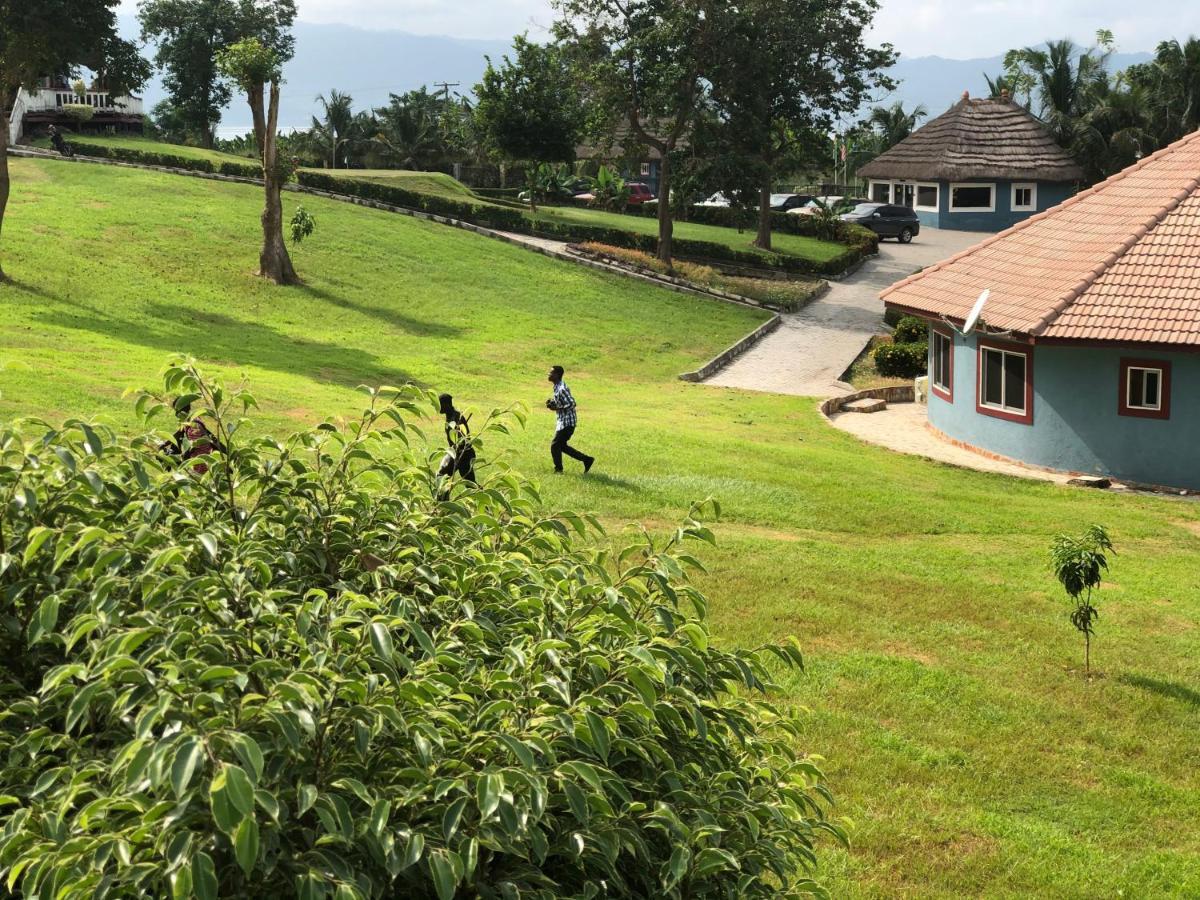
[811, 349]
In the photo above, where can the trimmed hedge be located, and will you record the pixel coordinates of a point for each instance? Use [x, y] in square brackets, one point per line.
[902, 360]
[860, 242]
[486, 215]
[124, 154]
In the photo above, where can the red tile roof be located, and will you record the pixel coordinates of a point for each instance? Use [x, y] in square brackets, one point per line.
[1118, 262]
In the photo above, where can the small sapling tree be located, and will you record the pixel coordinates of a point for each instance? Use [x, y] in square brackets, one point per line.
[302, 225]
[1079, 564]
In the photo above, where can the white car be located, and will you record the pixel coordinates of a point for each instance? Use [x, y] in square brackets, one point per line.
[717, 199]
[810, 208]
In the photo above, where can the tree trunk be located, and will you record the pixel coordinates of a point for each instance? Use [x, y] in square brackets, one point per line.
[4, 179]
[764, 219]
[1087, 654]
[666, 227]
[206, 136]
[274, 261]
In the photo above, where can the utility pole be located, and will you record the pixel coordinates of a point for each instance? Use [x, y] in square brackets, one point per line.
[445, 88]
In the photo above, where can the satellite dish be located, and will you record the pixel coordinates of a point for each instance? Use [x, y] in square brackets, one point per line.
[976, 311]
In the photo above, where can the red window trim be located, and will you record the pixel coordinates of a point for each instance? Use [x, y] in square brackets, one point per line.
[1025, 350]
[946, 393]
[1164, 389]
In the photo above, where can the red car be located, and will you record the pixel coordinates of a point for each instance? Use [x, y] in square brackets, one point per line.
[639, 193]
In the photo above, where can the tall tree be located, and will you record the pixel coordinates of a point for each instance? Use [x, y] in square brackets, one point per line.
[643, 65]
[528, 107]
[789, 68]
[1171, 88]
[409, 130]
[189, 34]
[255, 64]
[338, 123]
[44, 37]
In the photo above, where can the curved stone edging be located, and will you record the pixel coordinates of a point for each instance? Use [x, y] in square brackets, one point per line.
[901, 393]
[721, 360]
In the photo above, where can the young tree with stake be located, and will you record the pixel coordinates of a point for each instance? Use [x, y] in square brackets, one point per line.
[1079, 564]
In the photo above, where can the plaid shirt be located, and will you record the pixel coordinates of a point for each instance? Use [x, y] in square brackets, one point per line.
[564, 405]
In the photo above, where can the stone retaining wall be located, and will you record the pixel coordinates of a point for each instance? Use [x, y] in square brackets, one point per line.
[721, 360]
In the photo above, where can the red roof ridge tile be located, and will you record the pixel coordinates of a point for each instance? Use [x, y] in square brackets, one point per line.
[1141, 231]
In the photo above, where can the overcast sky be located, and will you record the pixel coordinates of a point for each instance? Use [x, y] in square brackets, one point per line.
[957, 29]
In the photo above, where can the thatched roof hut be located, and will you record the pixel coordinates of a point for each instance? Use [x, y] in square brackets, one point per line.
[975, 140]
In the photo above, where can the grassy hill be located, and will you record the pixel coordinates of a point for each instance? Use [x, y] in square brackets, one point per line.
[943, 681]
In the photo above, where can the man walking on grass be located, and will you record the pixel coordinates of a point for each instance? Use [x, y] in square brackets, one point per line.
[563, 405]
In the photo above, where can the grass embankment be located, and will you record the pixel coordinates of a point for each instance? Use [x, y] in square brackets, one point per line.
[944, 681]
[148, 145]
[807, 248]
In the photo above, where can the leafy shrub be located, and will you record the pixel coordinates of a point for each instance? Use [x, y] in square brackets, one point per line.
[911, 330]
[902, 360]
[299, 673]
[1079, 563]
[79, 112]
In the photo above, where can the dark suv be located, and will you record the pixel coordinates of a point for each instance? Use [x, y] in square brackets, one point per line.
[886, 220]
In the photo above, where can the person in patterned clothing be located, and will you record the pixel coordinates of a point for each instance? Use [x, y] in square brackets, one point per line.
[567, 419]
[192, 440]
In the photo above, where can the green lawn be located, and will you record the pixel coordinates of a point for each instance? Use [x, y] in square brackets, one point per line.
[437, 183]
[943, 681]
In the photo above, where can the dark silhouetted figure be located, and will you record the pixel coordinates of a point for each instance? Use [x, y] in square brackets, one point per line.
[460, 457]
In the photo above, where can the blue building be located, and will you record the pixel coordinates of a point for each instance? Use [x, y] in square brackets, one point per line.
[983, 165]
[1086, 358]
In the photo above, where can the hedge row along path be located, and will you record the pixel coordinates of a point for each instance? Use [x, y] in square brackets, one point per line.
[545, 246]
[807, 355]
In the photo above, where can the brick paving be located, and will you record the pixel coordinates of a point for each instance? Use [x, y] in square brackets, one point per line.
[809, 352]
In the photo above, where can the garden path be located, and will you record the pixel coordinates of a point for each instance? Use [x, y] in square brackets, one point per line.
[812, 348]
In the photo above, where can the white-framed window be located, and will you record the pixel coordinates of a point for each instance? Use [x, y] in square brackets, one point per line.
[645, 168]
[972, 198]
[881, 191]
[1143, 388]
[1004, 383]
[927, 197]
[1024, 197]
[941, 364]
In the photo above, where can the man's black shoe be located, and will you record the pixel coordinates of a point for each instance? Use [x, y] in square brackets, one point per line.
[588, 463]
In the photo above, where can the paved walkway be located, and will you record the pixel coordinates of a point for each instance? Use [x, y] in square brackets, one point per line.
[901, 427]
[809, 352]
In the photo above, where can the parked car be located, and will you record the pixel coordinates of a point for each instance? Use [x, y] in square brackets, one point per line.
[717, 199]
[788, 202]
[886, 220]
[639, 193]
[814, 203]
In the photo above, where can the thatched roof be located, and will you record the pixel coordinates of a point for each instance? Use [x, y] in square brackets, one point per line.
[978, 139]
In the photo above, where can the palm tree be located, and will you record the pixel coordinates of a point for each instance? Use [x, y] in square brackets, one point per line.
[409, 131]
[1172, 80]
[893, 124]
[338, 125]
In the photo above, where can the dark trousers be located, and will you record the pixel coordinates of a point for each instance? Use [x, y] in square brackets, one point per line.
[560, 446]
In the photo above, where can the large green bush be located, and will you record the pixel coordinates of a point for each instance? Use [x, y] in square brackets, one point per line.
[300, 673]
[911, 330]
[902, 360]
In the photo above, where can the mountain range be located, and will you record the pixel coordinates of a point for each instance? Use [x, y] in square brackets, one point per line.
[370, 65]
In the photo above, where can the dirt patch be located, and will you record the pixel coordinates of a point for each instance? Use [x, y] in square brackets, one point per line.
[300, 414]
[905, 651]
[1191, 525]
